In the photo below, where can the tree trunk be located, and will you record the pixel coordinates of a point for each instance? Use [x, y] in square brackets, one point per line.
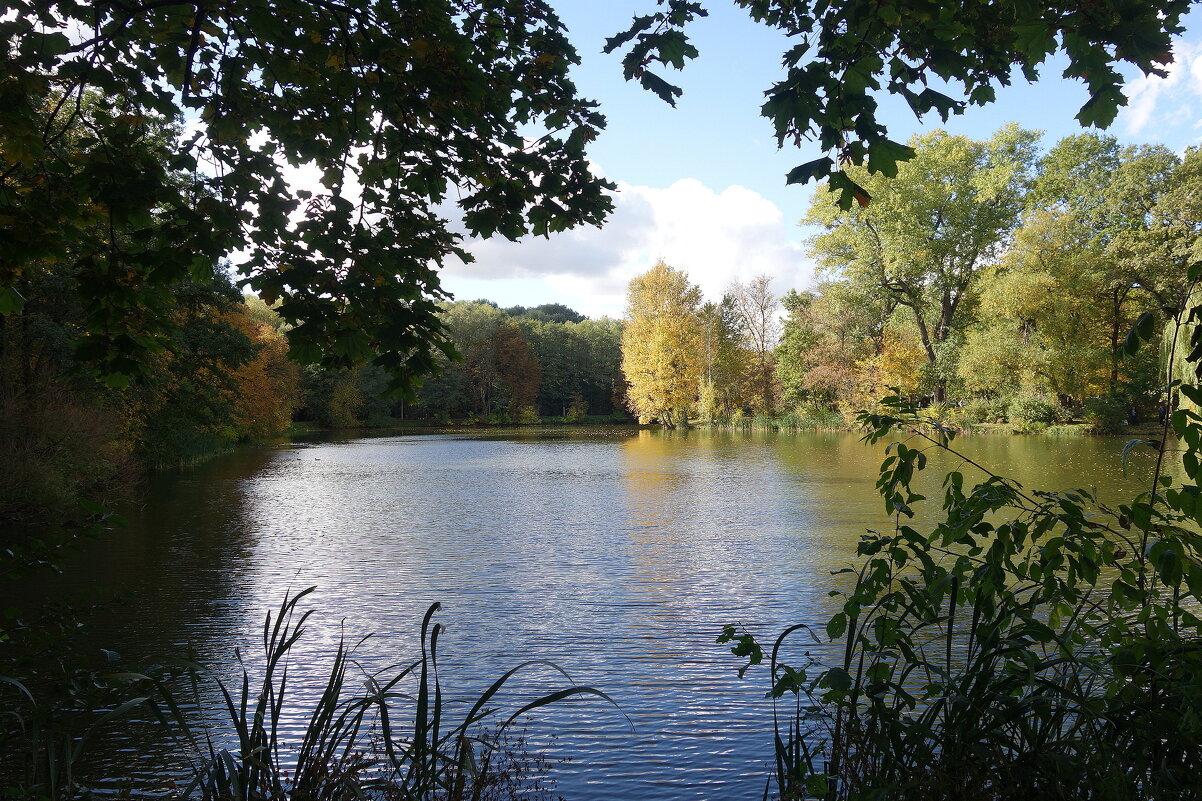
[1115, 310]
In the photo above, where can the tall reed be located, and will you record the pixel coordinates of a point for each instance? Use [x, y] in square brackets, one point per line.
[388, 734]
[375, 741]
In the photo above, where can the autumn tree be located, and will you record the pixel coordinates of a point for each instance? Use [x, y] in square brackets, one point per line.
[661, 345]
[722, 360]
[829, 336]
[928, 233]
[517, 368]
[758, 309]
[266, 389]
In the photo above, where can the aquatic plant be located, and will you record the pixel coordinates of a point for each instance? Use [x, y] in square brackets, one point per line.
[362, 743]
[388, 734]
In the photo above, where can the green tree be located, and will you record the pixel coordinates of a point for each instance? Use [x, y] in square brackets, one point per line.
[548, 313]
[930, 231]
[473, 327]
[562, 359]
[603, 386]
[1110, 194]
[722, 359]
[661, 345]
[1042, 324]
[395, 105]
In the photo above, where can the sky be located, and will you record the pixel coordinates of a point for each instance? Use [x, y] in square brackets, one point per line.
[702, 186]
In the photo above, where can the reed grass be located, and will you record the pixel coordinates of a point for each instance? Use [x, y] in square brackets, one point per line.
[364, 739]
[388, 735]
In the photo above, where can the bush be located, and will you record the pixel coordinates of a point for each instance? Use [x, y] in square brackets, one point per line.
[1019, 645]
[819, 415]
[1105, 415]
[986, 410]
[1034, 413]
[578, 409]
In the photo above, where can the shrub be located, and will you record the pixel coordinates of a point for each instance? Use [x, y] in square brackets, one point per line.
[577, 410]
[1105, 415]
[986, 410]
[1033, 413]
[1025, 645]
[821, 416]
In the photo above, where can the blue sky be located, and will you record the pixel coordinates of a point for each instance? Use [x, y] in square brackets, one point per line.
[702, 185]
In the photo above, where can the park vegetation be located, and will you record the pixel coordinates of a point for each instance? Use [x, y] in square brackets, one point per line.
[986, 282]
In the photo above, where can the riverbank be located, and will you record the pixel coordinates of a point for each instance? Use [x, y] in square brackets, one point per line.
[1071, 429]
[307, 428]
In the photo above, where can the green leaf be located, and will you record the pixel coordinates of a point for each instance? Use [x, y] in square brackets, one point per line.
[1101, 108]
[1141, 332]
[838, 679]
[811, 170]
[1168, 565]
[1192, 392]
[664, 90]
[884, 155]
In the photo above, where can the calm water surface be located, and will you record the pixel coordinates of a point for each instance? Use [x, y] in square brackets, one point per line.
[618, 554]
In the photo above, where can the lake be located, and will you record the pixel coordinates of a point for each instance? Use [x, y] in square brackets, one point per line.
[618, 554]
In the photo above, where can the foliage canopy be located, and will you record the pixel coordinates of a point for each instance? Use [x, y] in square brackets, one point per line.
[394, 106]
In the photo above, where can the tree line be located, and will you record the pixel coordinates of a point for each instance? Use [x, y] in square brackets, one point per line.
[985, 277]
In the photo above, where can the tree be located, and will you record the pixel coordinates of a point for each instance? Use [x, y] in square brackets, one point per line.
[1043, 316]
[548, 313]
[845, 51]
[473, 328]
[661, 345]
[722, 360]
[925, 238]
[830, 338]
[757, 309]
[394, 105]
[1108, 198]
[518, 368]
[267, 388]
[604, 387]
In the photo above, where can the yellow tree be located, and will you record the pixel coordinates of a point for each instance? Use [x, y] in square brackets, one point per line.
[267, 388]
[661, 345]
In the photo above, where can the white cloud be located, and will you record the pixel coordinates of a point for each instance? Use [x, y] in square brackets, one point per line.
[1159, 105]
[717, 237]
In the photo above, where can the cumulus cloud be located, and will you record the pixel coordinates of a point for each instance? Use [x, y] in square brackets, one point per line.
[1156, 104]
[717, 237]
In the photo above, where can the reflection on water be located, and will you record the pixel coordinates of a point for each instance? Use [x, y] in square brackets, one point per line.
[617, 554]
